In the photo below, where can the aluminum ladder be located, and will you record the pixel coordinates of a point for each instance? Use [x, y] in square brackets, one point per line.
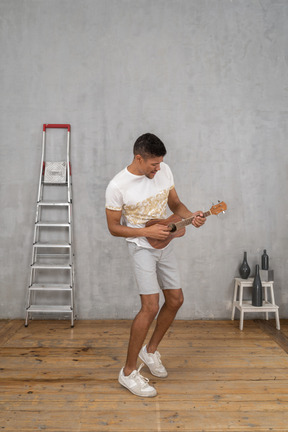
[51, 285]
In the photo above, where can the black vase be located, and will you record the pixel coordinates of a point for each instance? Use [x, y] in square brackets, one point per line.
[257, 299]
[244, 269]
[265, 260]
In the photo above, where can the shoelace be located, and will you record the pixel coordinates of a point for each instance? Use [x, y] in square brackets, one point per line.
[140, 378]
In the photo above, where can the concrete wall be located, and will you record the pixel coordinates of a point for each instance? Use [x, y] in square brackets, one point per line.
[209, 77]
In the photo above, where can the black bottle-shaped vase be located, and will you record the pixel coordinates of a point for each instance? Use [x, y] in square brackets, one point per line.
[265, 260]
[244, 269]
[257, 299]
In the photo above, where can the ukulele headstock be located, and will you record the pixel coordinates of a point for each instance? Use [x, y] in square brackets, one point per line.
[218, 208]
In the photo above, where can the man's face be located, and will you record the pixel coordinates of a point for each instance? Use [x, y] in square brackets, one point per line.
[150, 166]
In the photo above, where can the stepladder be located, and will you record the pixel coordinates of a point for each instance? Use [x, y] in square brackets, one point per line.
[51, 290]
[245, 306]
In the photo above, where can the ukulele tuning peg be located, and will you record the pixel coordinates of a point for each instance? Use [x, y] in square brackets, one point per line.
[222, 210]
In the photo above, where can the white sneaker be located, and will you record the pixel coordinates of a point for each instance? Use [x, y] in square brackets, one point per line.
[153, 361]
[136, 383]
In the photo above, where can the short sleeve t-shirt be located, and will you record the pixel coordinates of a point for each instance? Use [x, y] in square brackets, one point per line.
[139, 198]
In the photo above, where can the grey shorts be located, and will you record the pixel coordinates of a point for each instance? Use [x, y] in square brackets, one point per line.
[154, 269]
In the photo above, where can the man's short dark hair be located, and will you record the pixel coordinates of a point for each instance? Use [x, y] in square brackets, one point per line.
[149, 145]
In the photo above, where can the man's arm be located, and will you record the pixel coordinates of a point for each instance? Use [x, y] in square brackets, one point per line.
[156, 231]
[178, 208]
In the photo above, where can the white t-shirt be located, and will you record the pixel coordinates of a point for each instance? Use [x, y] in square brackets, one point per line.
[139, 198]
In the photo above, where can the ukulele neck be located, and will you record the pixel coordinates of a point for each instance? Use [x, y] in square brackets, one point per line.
[178, 225]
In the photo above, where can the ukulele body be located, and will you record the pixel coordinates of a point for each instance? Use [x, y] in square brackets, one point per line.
[160, 244]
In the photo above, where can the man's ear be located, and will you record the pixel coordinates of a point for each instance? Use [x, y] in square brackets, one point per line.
[138, 158]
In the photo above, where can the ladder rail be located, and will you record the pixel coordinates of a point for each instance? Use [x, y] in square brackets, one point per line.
[42, 166]
[68, 167]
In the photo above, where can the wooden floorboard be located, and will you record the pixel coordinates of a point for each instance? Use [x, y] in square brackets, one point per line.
[59, 379]
[279, 337]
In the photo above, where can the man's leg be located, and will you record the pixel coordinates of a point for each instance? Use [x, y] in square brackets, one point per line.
[139, 329]
[173, 301]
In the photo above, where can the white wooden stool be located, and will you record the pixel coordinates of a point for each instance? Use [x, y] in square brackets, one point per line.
[246, 305]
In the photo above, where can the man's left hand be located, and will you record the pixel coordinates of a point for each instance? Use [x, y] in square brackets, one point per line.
[199, 219]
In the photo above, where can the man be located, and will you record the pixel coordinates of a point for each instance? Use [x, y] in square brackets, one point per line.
[137, 194]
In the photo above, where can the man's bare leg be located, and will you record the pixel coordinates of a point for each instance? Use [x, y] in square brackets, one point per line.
[173, 301]
[139, 329]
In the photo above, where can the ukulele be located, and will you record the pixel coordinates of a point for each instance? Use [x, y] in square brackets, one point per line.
[177, 225]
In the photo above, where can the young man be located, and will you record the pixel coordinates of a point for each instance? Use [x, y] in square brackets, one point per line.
[136, 195]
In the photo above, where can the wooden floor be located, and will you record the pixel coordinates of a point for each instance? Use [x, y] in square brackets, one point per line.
[55, 378]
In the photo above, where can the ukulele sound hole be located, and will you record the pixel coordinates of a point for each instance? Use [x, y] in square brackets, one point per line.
[172, 227]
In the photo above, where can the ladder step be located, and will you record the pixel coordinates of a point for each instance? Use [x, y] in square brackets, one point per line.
[49, 308]
[54, 183]
[52, 245]
[51, 266]
[53, 203]
[50, 287]
[52, 224]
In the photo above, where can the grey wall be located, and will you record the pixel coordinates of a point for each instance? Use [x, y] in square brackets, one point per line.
[209, 77]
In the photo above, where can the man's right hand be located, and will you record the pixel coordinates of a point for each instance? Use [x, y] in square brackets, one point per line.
[157, 231]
